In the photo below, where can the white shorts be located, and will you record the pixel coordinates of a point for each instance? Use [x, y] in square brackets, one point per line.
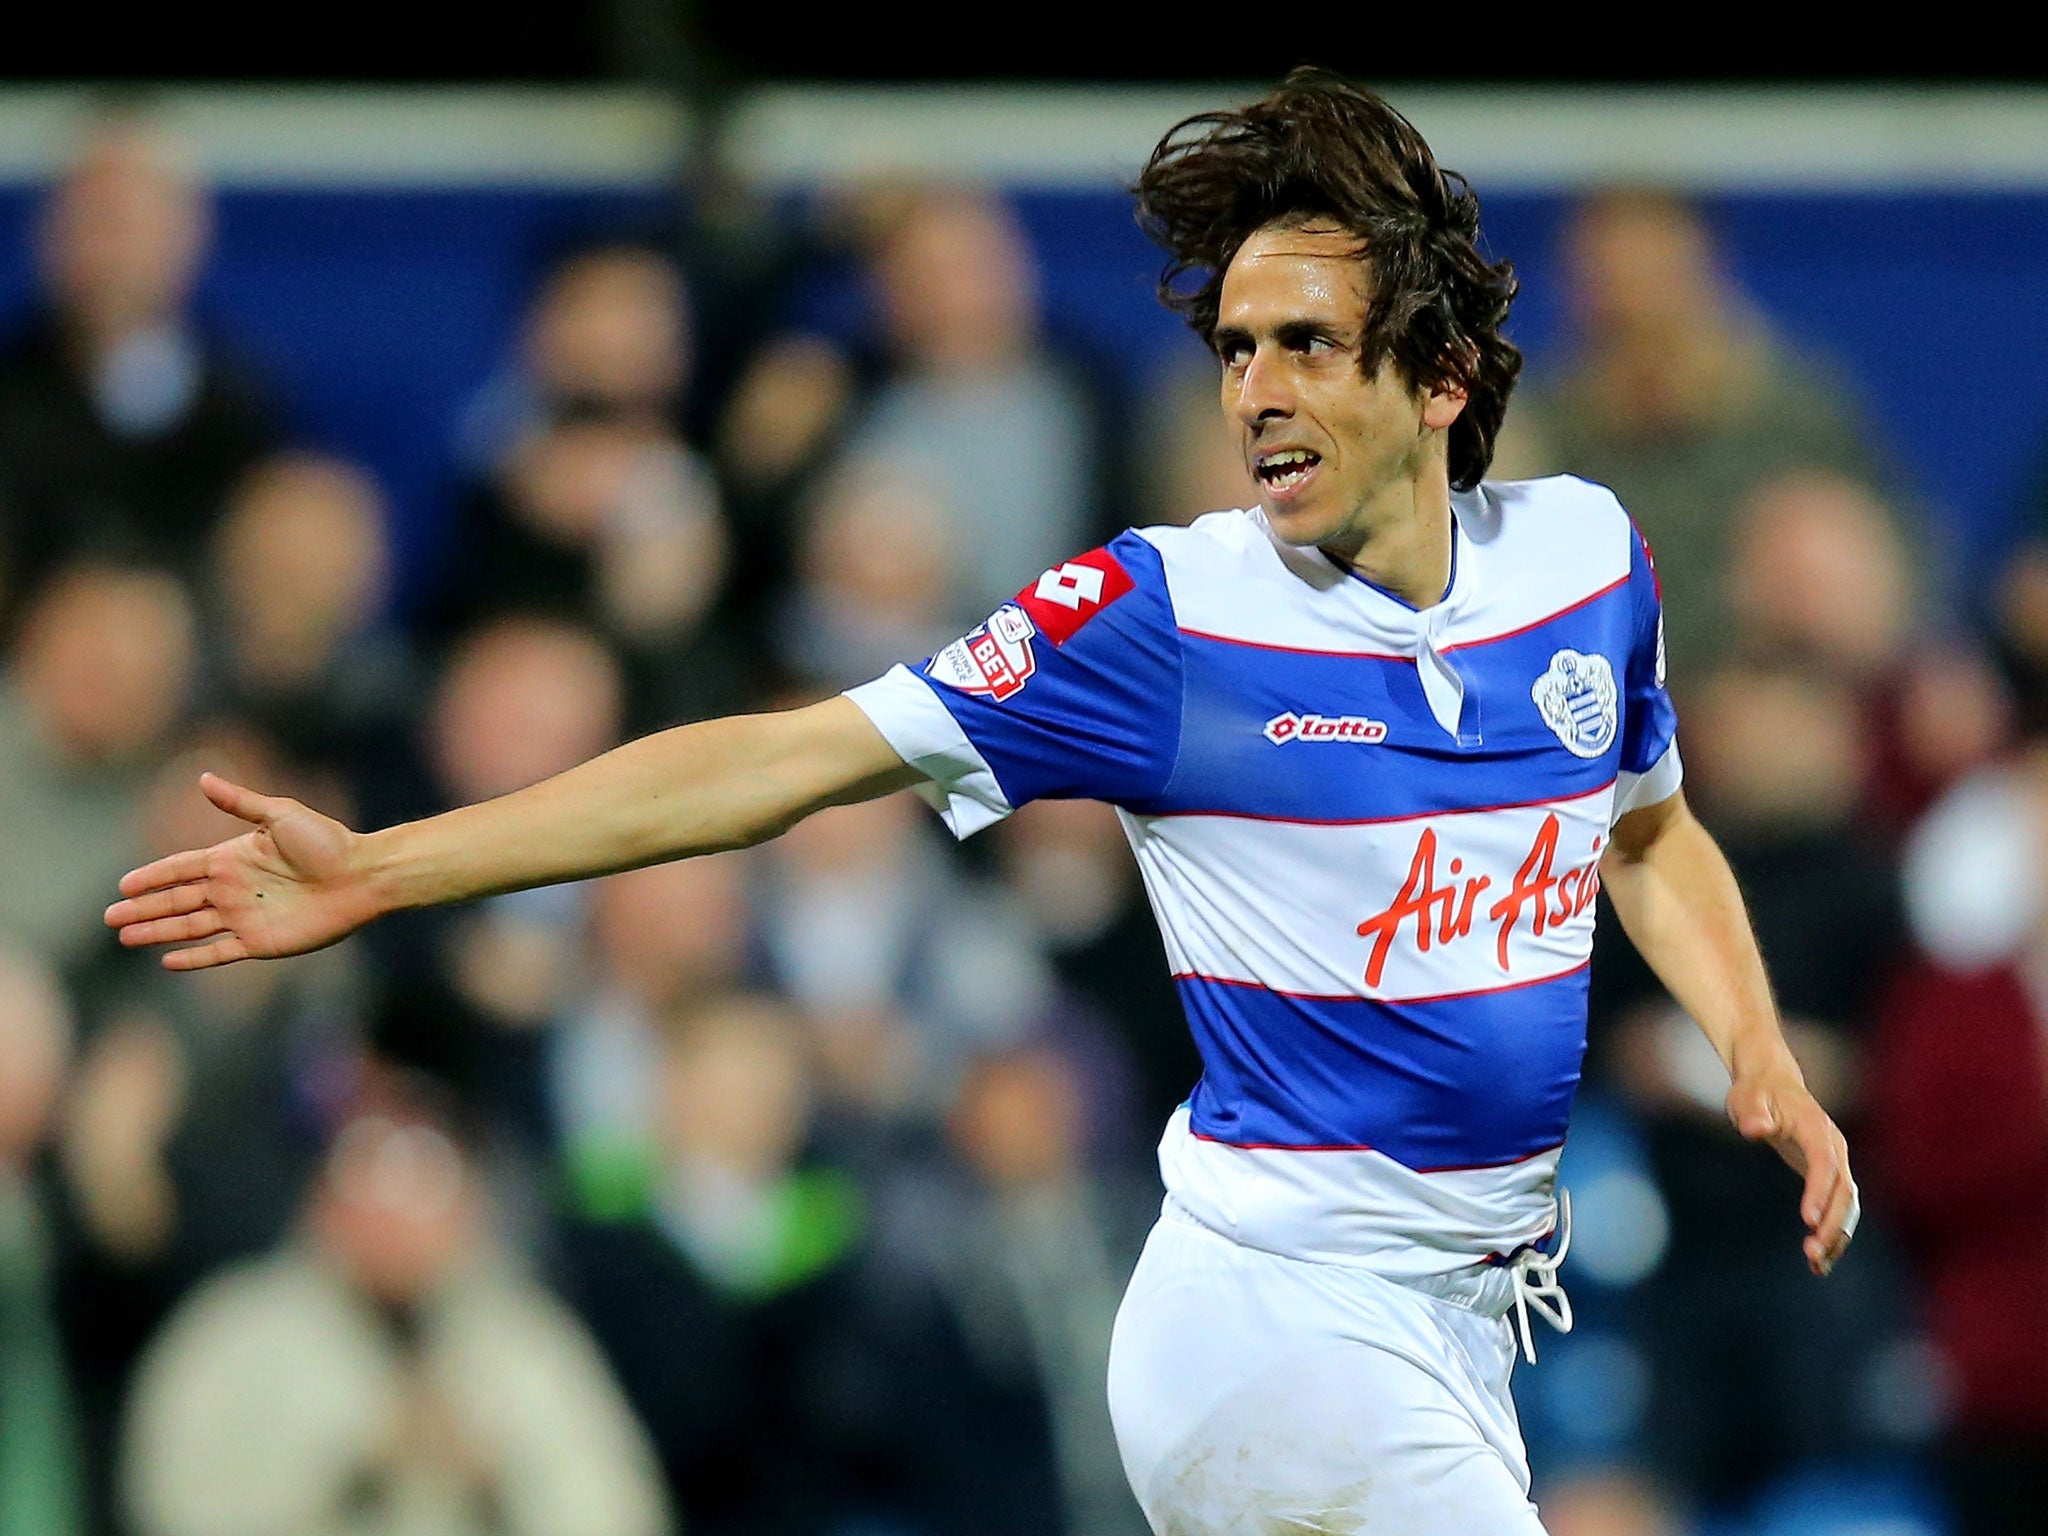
[1255, 1393]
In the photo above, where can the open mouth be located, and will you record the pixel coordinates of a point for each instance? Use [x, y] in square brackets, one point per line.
[1281, 472]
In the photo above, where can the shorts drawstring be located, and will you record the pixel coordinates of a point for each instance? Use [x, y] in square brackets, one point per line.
[1533, 1274]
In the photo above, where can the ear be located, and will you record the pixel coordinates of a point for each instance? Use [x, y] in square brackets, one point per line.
[1442, 405]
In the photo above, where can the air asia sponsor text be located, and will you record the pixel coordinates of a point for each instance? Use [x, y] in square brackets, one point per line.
[1444, 913]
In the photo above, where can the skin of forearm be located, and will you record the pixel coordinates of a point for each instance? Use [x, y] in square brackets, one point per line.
[1679, 904]
[694, 789]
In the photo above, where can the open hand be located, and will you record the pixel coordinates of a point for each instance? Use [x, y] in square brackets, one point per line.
[296, 882]
[1777, 1108]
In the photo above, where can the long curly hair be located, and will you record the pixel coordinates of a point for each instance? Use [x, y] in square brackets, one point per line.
[1321, 148]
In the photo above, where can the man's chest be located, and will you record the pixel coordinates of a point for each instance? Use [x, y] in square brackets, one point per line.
[1442, 724]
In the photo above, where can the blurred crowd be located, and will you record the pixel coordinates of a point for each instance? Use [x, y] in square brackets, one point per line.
[793, 1191]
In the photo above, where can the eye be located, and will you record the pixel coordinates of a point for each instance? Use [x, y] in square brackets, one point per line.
[1235, 354]
[1306, 339]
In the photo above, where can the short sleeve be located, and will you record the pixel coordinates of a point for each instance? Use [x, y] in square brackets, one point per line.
[1072, 690]
[1650, 769]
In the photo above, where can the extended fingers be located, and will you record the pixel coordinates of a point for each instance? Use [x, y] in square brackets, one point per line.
[171, 901]
[203, 924]
[236, 800]
[1827, 1203]
[224, 950]
[1840, 1224]
[176, 869]
[1824, 1174]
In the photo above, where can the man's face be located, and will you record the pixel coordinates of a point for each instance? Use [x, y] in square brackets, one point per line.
[125, 234]
[1325, 443]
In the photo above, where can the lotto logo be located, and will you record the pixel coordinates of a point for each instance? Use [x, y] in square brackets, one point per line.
[1069, 595]
[1070, 586]
[1282, 729]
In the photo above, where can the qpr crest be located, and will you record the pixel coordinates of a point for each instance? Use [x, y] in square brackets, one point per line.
[1577, 699]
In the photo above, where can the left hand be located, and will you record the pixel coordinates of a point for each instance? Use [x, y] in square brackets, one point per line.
[1775, 1106]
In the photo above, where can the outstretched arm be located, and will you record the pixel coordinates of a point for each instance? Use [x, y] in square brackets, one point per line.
[299, 880]
[1677, 899]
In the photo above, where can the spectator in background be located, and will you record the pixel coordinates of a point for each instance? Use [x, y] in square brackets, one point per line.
[1959, 1126]
[522, 698]
[1756, 1370]
[1679, 398]
[518, 698]
[40, 1485]
[193, 1125]
[1076, 883]
[2019, 631]
[723, 1302]
[1189, 461]
[970, 403]
[1002, 1275]
[1610, 1503]
[976, 405]
[588, 505]
[787, 411]
[123, 422]
[659, 937]
[194, 1117]
[875, 577]
[93, 685]
[388, 1372]
[909, 967]
[1817, 570]
[299, 577]
[609, 331]
[612, 524]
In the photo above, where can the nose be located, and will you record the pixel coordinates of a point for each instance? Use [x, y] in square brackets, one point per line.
[1262, 391]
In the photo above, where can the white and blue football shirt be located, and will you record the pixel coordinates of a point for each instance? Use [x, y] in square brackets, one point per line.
[1371, 834]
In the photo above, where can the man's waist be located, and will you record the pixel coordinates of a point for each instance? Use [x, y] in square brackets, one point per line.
[1444, 1233]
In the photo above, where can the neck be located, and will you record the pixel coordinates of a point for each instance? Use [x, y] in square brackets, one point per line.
[92, 332]
[1682, 373]
[279, 662]
[1407, 551]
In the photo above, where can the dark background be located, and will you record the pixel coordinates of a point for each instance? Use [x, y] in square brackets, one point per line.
[709, 45]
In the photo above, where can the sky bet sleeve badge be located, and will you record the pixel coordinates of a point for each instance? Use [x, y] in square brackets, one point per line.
[1576, 698]
[994, 660]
